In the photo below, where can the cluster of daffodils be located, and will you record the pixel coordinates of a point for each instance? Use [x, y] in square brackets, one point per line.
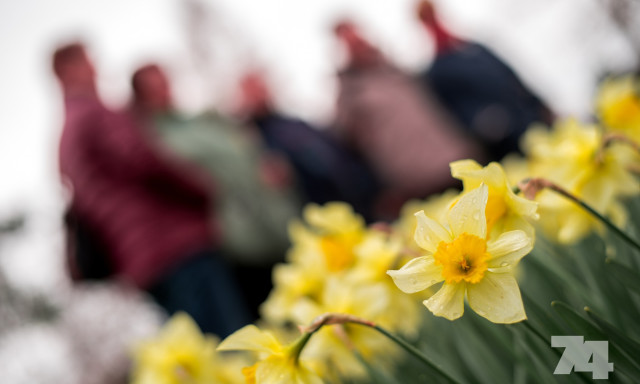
[349, 293]
[592, 166]
[597, 163]
[337, 264]
[181, 354]
[618, 106]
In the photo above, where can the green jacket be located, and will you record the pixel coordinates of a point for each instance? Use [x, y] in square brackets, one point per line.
[253, 215]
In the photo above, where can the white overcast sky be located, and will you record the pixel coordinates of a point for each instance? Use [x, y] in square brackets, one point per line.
[558, 46]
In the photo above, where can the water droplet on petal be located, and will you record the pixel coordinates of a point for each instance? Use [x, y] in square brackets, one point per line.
[504, 264]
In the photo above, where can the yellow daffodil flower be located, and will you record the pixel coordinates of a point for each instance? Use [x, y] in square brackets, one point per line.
[435, 206]
[573, 156]
[334, 344]
[306, 288]
[505, 210]
[460, 255]
[295, 285]
[278, 364]
[618, 104]
[181, 354]
[323, 248]
[378, 253]
[340, 229]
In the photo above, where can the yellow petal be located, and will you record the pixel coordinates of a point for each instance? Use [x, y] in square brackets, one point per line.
[181, 326]
[508, 249]
[576, 224]
[250, 338]
[333, 217]
[448, 302]
[417, 275]
[466, 170]
[468, 215]
[497, 298]
[305, 376]
[275, 370]
[522, 206]
[430, 233]
[473, 174]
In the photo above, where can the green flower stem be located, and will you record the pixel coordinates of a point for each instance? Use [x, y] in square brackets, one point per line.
[531, 187]
[415, 352]
[606, 221]
[610, 138]
[339, 318]
[537, 333]
[299, 344]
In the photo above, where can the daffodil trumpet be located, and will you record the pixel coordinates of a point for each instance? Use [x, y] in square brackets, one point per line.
[531, 187]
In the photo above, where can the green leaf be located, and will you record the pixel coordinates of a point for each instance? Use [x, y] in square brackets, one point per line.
[629, 348]
[625, 275]
[577, 322]
[375, 375]
[583, 327]
[529, 358]
[543, 320]
[548, 257]
[480, 353]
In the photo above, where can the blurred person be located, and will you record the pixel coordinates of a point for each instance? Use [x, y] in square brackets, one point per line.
[479, 89]
[402, 132]
[86, 255]
[325, 169]
[149, 211]
[256, 197]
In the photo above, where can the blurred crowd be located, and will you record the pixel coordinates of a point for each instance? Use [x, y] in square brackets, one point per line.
[194, 210]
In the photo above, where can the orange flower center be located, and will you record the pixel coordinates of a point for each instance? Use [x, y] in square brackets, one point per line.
[625, 111]
[463, 259]
[338, 251]
[250, 374]
[495, 210]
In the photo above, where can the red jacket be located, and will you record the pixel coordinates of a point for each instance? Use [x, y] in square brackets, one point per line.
[149, 210]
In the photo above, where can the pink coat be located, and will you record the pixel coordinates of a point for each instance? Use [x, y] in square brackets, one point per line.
[403, 133]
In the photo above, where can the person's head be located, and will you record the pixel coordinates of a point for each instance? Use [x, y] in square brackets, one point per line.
[346, 31]
[426, 13]
[361, 52]
[255, 98]
[74, 70]
[444, 40]
[151, 89]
